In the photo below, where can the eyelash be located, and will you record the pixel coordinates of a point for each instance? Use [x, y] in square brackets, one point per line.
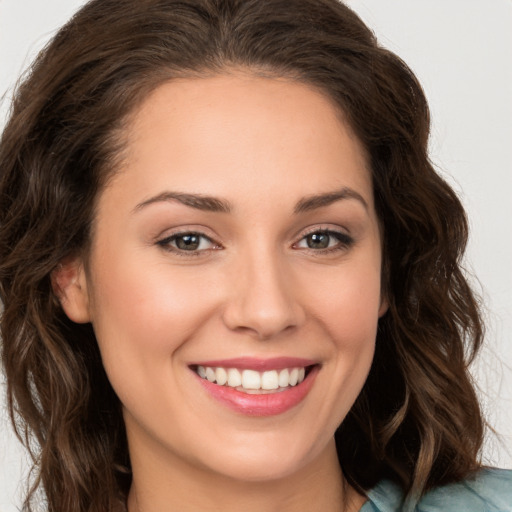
[344, 242]
[166, 242]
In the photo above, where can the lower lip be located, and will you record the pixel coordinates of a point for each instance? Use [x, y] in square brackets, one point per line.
[269, 404]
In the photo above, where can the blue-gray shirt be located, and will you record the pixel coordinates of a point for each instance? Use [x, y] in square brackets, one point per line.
[489, 491]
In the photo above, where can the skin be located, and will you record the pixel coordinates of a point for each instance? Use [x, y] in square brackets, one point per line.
[253, 288]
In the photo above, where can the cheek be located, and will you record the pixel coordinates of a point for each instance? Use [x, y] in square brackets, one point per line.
[348, 311]
[345, 311]
[142, 317]
[348, 303]
[137, 299]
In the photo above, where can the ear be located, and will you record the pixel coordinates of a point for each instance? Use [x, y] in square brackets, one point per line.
[69, 284]
[384, 306]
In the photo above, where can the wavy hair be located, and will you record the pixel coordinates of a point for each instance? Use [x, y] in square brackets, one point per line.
[417, 420]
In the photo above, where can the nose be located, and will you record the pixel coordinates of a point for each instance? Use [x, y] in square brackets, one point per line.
[263, 298]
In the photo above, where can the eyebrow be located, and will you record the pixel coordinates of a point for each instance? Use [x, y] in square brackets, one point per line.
[198, 201]
[320, 200]
[214, 204]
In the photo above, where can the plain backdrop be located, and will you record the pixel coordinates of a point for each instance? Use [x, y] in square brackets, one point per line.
[461, 51]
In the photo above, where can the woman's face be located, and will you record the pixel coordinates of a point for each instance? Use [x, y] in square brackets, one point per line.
[239, 241]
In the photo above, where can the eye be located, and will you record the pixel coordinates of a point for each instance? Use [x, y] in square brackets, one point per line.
[322, 240]
[187, 242]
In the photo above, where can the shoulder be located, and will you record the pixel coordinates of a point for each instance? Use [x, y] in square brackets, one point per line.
[490, 490]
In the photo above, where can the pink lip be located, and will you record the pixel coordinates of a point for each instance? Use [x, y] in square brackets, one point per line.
[260, 365]
[264, 404]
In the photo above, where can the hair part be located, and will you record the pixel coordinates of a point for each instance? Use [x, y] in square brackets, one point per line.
[417, 419]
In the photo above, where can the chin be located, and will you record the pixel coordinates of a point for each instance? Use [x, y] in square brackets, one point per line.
[256, 470]
[266, 460]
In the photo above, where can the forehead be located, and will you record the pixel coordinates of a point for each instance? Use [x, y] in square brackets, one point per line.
[209, 134]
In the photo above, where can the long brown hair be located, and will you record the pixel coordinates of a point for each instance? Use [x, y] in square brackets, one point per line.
[417, 419]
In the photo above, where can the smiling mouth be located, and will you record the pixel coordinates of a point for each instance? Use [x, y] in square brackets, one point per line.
[257, 387]
[252, 381]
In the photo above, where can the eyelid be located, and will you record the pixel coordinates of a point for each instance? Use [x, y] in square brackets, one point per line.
[323, 228]
[344, 238]
[164, 241]
[184, 229]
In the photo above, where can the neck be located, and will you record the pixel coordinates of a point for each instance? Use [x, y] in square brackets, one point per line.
[182, 487]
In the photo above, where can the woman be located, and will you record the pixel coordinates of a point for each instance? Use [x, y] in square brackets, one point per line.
[230, 274]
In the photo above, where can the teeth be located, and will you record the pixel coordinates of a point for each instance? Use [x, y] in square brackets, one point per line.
[270, 380]
[221, 376]
[284, 378]
[252, 380]
[234, 378]
[210, 374]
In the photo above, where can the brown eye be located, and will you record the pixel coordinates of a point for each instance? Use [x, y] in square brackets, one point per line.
[325, 240]
[187, 242]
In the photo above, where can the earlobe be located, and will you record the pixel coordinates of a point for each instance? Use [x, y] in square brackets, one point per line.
[69, 284]
[384, 306]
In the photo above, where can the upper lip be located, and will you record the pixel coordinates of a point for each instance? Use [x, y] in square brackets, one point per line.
[258, 364]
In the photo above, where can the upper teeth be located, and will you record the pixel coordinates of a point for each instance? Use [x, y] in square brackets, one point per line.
[251, 379]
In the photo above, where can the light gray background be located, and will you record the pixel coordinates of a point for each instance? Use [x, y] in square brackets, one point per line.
[461, 51]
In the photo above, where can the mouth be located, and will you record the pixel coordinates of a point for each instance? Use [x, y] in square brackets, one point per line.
[253, 381]
[255, 387]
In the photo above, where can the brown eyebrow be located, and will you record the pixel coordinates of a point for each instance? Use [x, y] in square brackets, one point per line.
[320, 200]
[198, 201]
[213, 204]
